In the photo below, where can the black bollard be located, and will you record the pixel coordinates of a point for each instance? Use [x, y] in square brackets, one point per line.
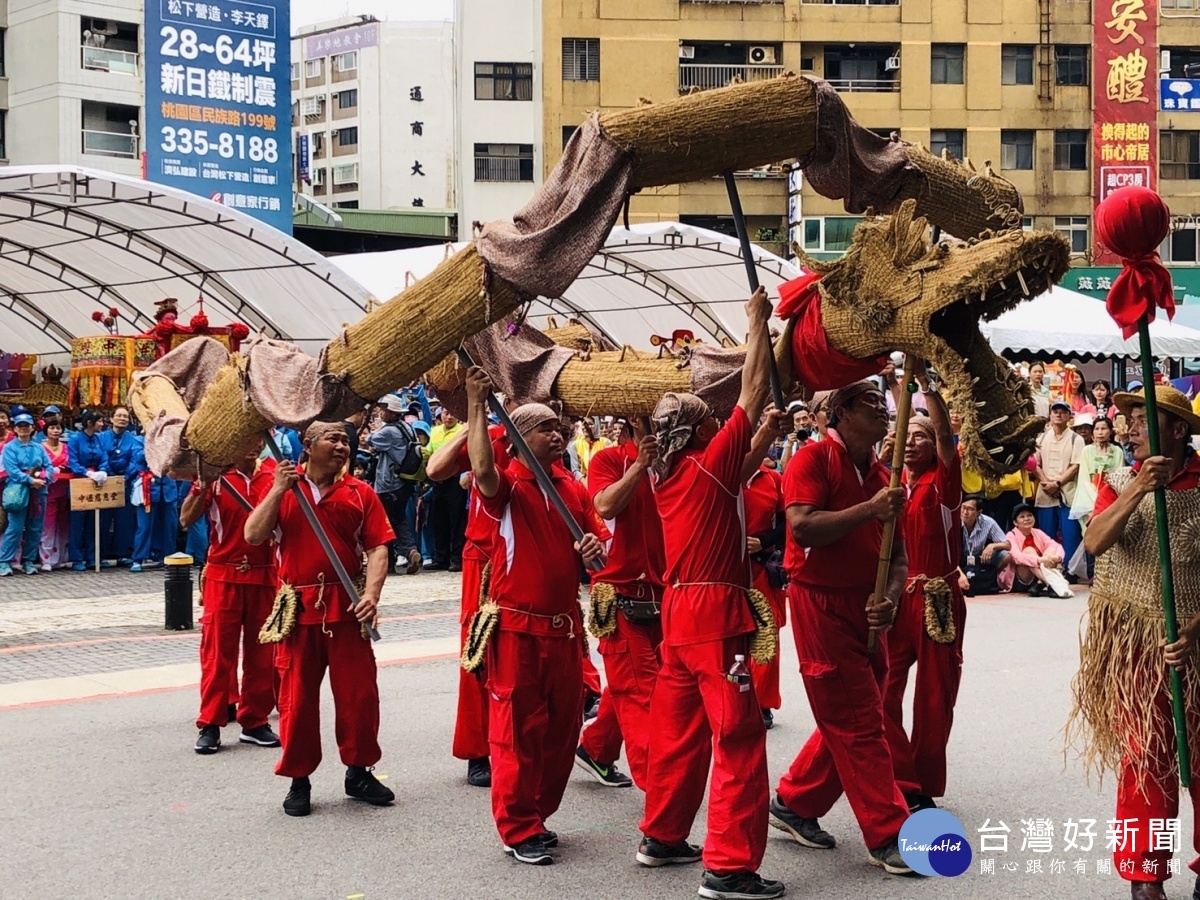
[178, 592]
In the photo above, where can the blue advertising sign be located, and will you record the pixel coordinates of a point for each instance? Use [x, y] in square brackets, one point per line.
[218, 103]
[1179, 94]
[305, 160]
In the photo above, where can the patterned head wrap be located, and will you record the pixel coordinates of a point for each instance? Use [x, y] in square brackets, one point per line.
[925, 424]
[530, 416]
[844, 396]
[317, 429]
[675, 421]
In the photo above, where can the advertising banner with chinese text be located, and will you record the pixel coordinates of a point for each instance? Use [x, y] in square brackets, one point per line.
[218, 103]
[1124, 77]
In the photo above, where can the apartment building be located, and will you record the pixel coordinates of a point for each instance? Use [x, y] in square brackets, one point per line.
[373, 114]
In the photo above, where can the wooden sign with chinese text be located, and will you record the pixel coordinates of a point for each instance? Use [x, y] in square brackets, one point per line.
[1124, 86]
[85, 495]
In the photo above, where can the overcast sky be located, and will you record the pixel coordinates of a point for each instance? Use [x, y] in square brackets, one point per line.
[308, 12]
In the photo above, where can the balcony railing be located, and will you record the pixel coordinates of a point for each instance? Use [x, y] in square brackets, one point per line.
[110, 143]
[706, 76]
[101, 59]
[865, 85]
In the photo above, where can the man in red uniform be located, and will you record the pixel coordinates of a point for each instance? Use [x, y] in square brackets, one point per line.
[533, 660]
[619, 482]
[238, 590]
[837, 499]
[933, 538]
[329, 627]
[700, 714]
[764, 535]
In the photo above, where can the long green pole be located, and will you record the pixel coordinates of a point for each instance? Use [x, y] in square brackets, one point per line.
[1164, 553]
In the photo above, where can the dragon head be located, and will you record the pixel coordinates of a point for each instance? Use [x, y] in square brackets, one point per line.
[892, 291]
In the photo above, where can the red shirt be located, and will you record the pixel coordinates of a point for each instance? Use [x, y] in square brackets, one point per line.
[704, 531]
[821, 475]
[355, 522]
[636, 558]
[764, 499]
[1186, 479]
[535, 568]
[932, 520]
[478, 530]
[230, 557]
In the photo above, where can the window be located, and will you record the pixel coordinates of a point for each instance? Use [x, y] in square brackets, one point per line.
[504, 162]
[1016, 64]
[345, 174]
[346, 204]
[347, 99]
[346, 62]
[316, 143]
[830, 234]
[1181, 245]
[3, 134]
[3, 42]
[346, 137]
[318, 177]
[581, 59]
[1071, 149]
[1178, 4]
[567, 131]
[312, 68]
[1180, 154]
[953, 140]
[1016, 149]
[1075, 230]
[1027, 223]
[946, 63]
[1181, 61]
[1071, 64]
[503, 81]
[886, 133]
[295, 71]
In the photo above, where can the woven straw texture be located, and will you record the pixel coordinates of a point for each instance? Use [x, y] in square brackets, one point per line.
[223, 423]
[965, 203]
[607, 385]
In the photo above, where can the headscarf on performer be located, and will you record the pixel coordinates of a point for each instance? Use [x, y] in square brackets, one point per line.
[675, 420]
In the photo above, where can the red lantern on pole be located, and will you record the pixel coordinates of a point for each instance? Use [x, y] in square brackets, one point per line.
[1132, 222]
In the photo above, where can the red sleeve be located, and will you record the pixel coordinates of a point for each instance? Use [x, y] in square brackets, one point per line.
[494, 506]
[726, 454]
[777, 483]
[605, 470]
[462, 461]
[804, 481]
[1105, 497]
[950, 482]
[376, 530]
[592, 523]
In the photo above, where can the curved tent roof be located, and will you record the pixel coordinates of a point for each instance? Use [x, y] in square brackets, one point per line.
[648, 279]
[75, 240]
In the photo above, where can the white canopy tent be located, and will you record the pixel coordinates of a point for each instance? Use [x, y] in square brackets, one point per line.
[75, 240]
[1063, 323]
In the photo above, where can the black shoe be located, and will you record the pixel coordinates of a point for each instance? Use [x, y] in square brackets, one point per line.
[435, 567]
[479, 772]
[1037, 590]
[454, 567]
[533, 851]
[549, 838]
[591, 706]
[209, 740]
[609, 776]
[654, 853]
[738, 886]
[263, 736]
[1148, 890]
[917, 802]
[1196, 889]
[361, 784]
[889, 859]
[298, 801]
[231, 712]
[805, 832]
[768, 719]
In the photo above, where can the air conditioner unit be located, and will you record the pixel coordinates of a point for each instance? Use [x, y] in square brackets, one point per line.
[104, 26]
[892, 64]
[345, 174]
[311, 106]
[687, 51]
[761, 56]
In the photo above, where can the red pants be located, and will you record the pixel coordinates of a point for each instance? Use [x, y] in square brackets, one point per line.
[1155, 799]
[301, 660]
[919, 761]
[535, 707]
[766, 678]
[631, 664]
[591, 677]
[471, 722]
[234, 612]
[849, 750]
[700, 716]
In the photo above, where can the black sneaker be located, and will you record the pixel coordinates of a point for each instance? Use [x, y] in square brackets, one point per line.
[361, 784]
[298, 801]
[549, 838]
[889, 859]
[805, 832]
[1196, 889]
[533, 852]
[768, 719]
[609, 776]
[654, 853]
[917, 802]
[231, 712]
[263, 736]
[479, 772]
[209, 740]
[738, 886]
[591, 706]
[1037, 590]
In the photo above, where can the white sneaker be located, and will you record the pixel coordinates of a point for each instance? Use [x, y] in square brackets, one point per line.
[46, 567]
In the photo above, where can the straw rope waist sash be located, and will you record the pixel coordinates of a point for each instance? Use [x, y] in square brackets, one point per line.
[607, 600]
[488, 618]
[939, 611]
[288, 605]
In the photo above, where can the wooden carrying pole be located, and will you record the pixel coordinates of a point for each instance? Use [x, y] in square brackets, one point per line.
[903, 412]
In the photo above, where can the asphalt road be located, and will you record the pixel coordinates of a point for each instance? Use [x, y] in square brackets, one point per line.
[105, 799]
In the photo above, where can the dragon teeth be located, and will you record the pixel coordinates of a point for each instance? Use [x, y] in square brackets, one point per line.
[1024, 286]
[979, 404]
[996, 451]
[1009, 461]
[992, 424]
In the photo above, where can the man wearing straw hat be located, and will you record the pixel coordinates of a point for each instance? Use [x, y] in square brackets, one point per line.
[534, 664]
[1123, 708]
[707, 625]
[837, 498]
[328, 631]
